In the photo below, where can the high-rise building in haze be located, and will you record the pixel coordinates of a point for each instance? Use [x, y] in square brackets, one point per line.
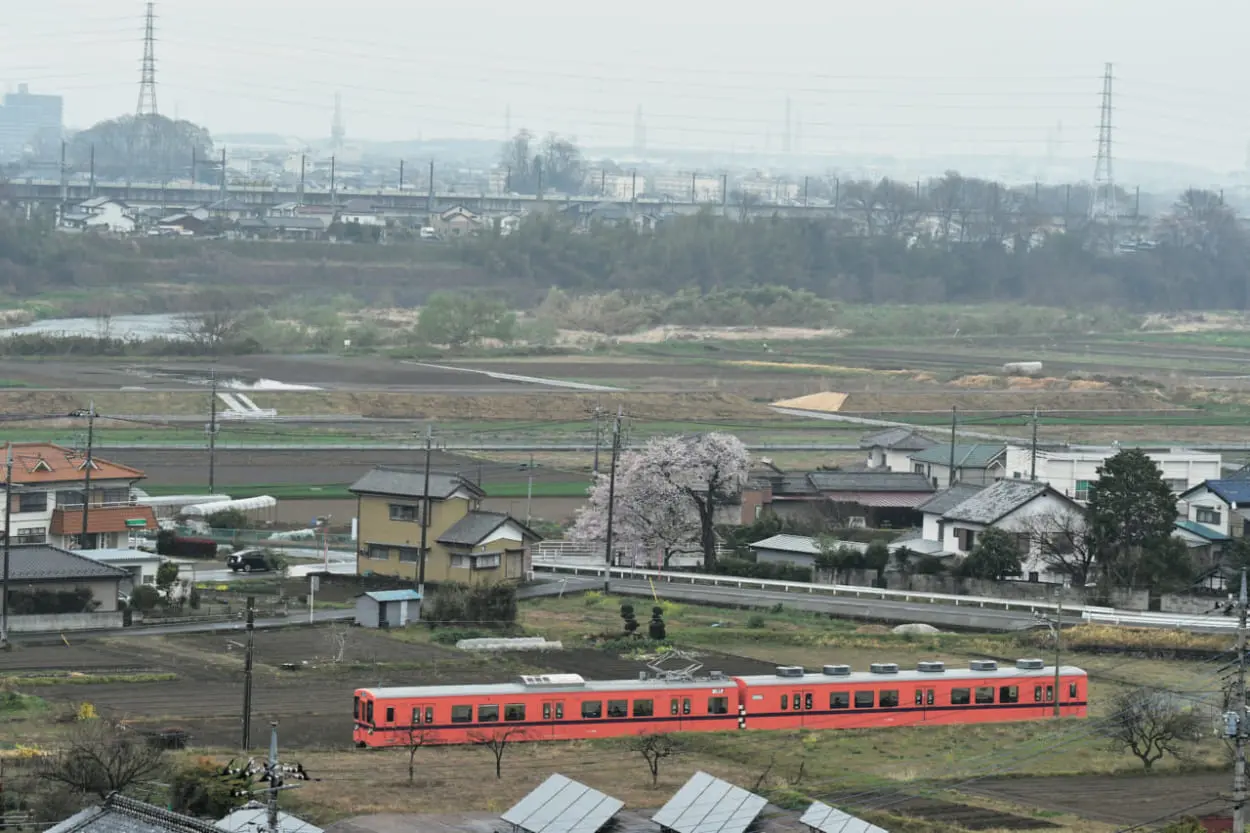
[30, 123]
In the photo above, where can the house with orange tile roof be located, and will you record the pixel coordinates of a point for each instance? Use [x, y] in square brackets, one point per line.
[49, 498]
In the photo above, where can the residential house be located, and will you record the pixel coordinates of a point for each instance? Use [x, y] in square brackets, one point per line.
[181, 225]
[932, 526]
[48, 500]
[139, 564]
[39, 567]
[463, 543]
[1221, 507]
[1071, 471]
[980, 463]
[871, 499]
[232, 209]
[361, 211]
[788, 495]
[457, 221]
[1022, 508]
[799, 550]
[253, 817]
[119, 814]
[100, 215]
[892, 449]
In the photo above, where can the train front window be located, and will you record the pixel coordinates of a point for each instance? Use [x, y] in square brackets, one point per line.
[1071, 691]
[961, 696]
[1009, 694]
[390, 715]
[643, 708]
[985, 695]
[592, 708]
[514, 711]
[719, 705]
[839, 699]
[618, 708]
[461, 714]
[487, 714]
[888, 699]
[369, 712]
[355, 708]
[865, 699]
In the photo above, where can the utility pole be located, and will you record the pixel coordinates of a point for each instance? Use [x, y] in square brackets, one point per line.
[616, 446]
[425, 512]
[222, 196]
[950, 477]
[1033, 466]
[333, 173]
[86, 489]
[247, 674]
[8, 510]
[598, 426]
[303, 169]
[529, 496]
[275, 778]
[429, 196]
[401, 175]
[212, 435]
[694, 178]
[1058, 643]
[1237, 724]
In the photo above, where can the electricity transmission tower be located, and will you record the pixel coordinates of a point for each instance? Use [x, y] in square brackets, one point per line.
[1102, 204]
[147, 77]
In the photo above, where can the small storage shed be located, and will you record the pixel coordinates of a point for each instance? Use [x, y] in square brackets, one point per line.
[388, 608]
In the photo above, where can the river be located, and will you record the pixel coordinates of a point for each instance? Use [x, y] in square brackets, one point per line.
[136, 327]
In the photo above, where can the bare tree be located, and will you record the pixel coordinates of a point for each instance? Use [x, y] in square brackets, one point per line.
[99, 759]
[415, 739]
[212, 328]
[337, 636]
[1061, 539]
[654, 748]
[1151, 724]
[497, 742]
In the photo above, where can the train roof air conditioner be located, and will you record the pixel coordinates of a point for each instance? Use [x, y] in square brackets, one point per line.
[931, 667]
[983, 665]
[884, 668]
[837, 670]
[789, 671]
[1030, 664]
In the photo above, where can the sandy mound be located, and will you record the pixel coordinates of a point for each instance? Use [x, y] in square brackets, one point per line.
[827, 402]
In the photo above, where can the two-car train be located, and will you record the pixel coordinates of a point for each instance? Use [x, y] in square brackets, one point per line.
[567, 707]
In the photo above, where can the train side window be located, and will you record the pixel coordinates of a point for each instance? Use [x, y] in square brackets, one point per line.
[888, 699]
[672, 706]
[929, 698]
[1071, 691]
[985, 695]
[807, 700]
[487, 714]
[592, 708]
[618, 708]
[416, 715]
[1009, 694]
[719, 705]
[429, 714]
[369, 712]
[1050, 694]
[1037, 694]
[865, 699]
[643, 708]
[839, 699]
[961, 696]
[785, 702]
[390, 715]
[355, 708]
[920, 697]
[514, 711]
[796, 701]
[546, 711]
[461, 714]
[559, 711]
[685, 705]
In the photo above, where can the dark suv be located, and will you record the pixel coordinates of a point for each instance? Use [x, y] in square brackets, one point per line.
[250, 561]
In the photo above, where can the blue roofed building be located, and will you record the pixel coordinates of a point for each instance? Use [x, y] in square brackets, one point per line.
[1221, 507]
[388, 608]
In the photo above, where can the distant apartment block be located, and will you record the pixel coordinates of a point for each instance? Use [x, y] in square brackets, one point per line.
[30, 124]
[680, 186]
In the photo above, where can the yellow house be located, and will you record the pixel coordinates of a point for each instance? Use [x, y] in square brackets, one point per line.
[463, 543]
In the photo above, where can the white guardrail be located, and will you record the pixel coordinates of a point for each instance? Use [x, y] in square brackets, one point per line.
[1088, 613]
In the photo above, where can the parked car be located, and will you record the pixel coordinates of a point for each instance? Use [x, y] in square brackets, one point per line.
[252, 561]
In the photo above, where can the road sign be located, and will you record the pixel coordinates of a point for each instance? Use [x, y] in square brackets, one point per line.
[139, 522]
[315, 582]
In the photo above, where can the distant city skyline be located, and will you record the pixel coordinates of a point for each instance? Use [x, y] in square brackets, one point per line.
[901, 78]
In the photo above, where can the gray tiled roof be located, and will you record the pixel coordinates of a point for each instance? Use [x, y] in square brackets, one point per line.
[254, 817]
[902, 439]
[993, 502]
[41, 562]
[119, 814]
[949, 498]
[475, 526]
[385, 480]
[870, 481]
[967, 456]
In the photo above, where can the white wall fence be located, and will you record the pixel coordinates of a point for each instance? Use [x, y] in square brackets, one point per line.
[58, 622]
[592, 553]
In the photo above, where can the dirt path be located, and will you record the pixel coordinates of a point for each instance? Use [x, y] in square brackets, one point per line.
[1125, 799]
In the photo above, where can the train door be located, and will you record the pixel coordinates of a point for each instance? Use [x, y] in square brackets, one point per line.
[553, 713]
[805, 701]
[422, 717]
[925, 698]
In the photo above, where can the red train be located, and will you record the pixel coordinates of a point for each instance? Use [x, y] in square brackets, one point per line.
[566, 707]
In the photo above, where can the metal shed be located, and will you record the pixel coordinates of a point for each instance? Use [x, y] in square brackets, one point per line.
[388, 608]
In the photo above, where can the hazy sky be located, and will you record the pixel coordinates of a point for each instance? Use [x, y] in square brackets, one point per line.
[899, 77]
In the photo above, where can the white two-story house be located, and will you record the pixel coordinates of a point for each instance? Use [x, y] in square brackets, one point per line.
[891, 449]
[1071, 472]
[48, 498]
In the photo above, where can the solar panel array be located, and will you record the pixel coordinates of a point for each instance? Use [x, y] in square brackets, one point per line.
[709, 805]
[826, 819]
[562, 805]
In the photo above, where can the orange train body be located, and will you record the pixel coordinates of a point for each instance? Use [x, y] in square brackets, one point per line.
[566, 707]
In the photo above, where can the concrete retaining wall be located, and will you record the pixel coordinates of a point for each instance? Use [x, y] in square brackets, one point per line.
[56, 622]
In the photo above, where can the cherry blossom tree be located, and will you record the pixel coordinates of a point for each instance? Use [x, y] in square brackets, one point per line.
[667, 494]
